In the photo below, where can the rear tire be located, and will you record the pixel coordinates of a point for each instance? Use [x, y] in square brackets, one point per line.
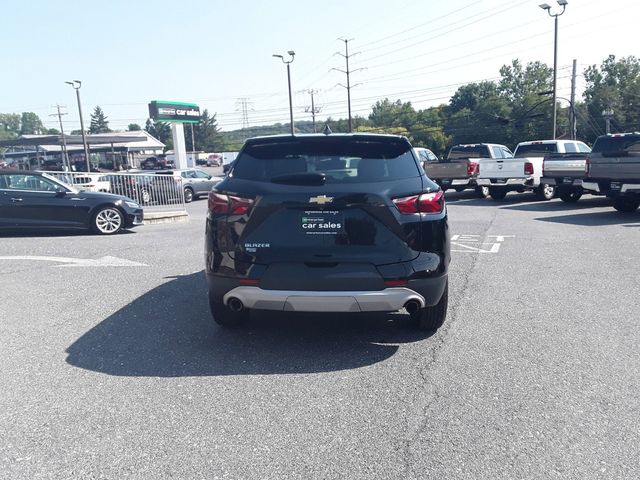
[626, 204]
[497, 193]
[432, 318]
[545, 192]
[225, 317]
[570, 197]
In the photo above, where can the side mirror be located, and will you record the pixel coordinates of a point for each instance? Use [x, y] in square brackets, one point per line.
[60, 192]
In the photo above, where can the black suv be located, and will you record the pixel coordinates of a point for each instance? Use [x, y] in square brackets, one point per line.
[327, 223]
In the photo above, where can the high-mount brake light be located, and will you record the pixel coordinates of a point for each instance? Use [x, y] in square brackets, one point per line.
[528, 168]
[228, 204]
[425, 203]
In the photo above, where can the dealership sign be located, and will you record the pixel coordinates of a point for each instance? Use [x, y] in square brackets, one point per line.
[174, 111]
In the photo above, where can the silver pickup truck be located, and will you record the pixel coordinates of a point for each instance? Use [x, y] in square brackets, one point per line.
[613, 169]
[461, 167]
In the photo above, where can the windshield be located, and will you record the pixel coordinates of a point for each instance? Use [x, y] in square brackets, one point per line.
[469, 151]
[337, 161]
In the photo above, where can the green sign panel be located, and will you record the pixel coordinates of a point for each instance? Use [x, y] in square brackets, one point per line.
[174, 111]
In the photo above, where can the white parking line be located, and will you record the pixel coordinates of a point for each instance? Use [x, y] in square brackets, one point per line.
[457, 241]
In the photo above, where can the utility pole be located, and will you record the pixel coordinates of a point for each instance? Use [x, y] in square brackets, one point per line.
[65, 157]
[573, 125]
[65, 154]
[608, 115]
[313, 110]
[288, 63]
[347, 72]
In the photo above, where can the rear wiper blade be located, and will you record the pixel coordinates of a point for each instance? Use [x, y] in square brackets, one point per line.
[300, 179]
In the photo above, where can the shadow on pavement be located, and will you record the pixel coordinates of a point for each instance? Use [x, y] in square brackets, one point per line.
[168, 332]
[596, 219]
[39, 232]
[557, 205]
[469, 198]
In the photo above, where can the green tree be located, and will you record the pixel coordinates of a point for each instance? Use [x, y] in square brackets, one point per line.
[30, 124]
[99, 122]
[615, 85]
[134, 127]
[161, 131]
[207, 135]
[385, 113]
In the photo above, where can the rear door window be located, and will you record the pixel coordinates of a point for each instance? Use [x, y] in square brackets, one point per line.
[570, 148]
[340, 161]
[497, 152]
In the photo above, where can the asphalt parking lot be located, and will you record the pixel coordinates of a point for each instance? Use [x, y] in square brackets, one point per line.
[112, 367]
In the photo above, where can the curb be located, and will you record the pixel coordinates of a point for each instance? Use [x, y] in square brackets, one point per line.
[151, 218]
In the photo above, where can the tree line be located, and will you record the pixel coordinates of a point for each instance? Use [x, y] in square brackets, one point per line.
[517, 107]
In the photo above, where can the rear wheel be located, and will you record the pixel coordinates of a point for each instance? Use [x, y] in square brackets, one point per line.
[497, 193]
[570, 197]
[482, 192]
[545, 191]
[432, 318]
[226, 317]
[626, 204]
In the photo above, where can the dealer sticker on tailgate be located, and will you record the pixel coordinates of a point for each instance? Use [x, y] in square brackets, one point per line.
[324, 222]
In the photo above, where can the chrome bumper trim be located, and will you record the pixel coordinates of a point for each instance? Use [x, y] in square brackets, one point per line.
[387, 300]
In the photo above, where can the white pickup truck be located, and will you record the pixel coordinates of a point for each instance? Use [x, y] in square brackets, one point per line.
[524, 172]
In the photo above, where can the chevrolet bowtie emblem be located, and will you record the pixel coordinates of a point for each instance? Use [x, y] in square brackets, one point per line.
[321, 199]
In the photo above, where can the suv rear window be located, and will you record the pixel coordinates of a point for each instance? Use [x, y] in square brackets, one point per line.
[535, 150]
[350, 161]
[625, 145]
[469, 151]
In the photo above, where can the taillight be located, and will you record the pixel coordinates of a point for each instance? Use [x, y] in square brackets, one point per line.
[228, 204]
[472, 169]
[528, 168]
[425, 203]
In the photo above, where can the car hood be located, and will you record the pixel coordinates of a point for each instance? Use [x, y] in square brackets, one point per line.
[97, 196]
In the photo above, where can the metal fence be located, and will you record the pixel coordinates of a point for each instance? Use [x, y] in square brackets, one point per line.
[154, 191]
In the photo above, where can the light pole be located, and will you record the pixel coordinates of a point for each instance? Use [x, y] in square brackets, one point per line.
[547, 7]
[76, 84]
[292, 54]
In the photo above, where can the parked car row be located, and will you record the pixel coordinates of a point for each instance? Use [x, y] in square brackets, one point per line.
[563, 168]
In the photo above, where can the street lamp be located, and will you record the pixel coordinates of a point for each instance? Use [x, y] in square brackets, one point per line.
[547, 7]
[76, 84]
[292, 54]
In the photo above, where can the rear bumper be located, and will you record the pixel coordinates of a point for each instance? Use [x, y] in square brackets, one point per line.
[387, 300]
[562, 181]
[508, 182]
[611, 188]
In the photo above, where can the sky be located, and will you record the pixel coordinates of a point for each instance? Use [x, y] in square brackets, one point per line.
[217, 53]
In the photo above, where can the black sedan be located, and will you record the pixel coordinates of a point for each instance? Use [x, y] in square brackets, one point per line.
[37, 200]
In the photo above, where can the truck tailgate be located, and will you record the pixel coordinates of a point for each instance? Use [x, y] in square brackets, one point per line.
[614, 168]
[502, 168]
[572, 166]
[447, 169]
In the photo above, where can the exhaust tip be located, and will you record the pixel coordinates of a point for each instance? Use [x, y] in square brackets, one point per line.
[412, 306]
[235, 304]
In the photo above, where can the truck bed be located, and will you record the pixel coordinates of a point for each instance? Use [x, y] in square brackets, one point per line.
[615, 166]
[447, 169]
